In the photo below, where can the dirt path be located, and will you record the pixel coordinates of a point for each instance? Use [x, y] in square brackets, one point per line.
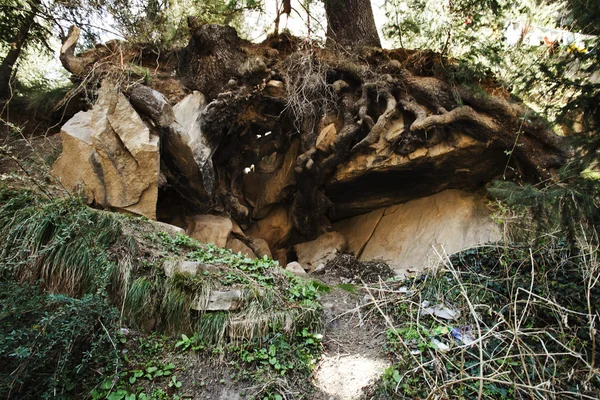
[353, 346]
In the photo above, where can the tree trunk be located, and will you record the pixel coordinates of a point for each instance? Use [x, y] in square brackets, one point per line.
[351, 23]
[6, 68]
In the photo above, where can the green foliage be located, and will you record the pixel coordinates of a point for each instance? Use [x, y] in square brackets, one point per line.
[277, 356]
[62, 244]
[51, 344]
[164, 23]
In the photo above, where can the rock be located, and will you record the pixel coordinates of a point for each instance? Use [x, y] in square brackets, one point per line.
[219, 301]
[237, 246]
[267, 189]
[326, 138]
[319, 251]
[111, 156]
[275, 228]
[172, 267]
[210, 229]
[407, 232]
[378, 180]
[260, 247]
[281, 256]
[189, 152]
[358, 230]
[275, 88]
[237, 231]
[170, 229]
[295, 268]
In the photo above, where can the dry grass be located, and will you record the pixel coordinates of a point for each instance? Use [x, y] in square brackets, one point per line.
[532, 320]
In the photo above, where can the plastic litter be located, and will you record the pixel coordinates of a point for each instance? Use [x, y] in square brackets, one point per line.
[438, 345]
[440, 310]
[463, 334]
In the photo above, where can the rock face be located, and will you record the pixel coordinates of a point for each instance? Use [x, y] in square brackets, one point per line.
[405, 234]
[275, 180]
[380, 180]
[358, 230]
[110, 156]
[313, 254]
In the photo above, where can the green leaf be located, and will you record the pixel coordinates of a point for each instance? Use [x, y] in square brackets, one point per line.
[396, 376]
[118, 395]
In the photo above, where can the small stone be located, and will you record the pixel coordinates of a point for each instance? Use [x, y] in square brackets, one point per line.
[275, 88]
[295, 268]
[232, 83]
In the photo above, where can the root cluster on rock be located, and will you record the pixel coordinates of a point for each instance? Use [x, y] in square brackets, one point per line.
[377, 126]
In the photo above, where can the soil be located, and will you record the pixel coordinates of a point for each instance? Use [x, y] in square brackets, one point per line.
[353, 355]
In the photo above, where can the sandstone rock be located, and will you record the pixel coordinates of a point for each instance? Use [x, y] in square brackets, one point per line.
[189, 152]
[378, 180]
[358, 230]
[210, 229]
[237, 231]
[319, 251]
[172, 267]
[275, 228]
[170, 229]
[219, 301]
[295, 268]
[110, 155]
[326, 138]
[275, 88]
[407, 232]
[281, 256]
[260, 247]
[237, 246]
[267, 189]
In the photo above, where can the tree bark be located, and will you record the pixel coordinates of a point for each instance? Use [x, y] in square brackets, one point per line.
[351, 23]
[7, 66]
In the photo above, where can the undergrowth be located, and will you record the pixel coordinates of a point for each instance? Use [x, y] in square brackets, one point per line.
[71, 276]
[511, 323]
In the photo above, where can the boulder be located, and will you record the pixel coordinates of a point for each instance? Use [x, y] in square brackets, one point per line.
[275, 228]
[259, 246]
[170, 229]
[319, 251]
[210, 229]
[219, 301]
[407, 233]
[110, 156]
[358, 230]
[188, 150]
[237, 246]
[295, 268]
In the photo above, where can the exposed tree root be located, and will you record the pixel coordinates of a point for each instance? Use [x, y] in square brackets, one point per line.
[247, 119]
